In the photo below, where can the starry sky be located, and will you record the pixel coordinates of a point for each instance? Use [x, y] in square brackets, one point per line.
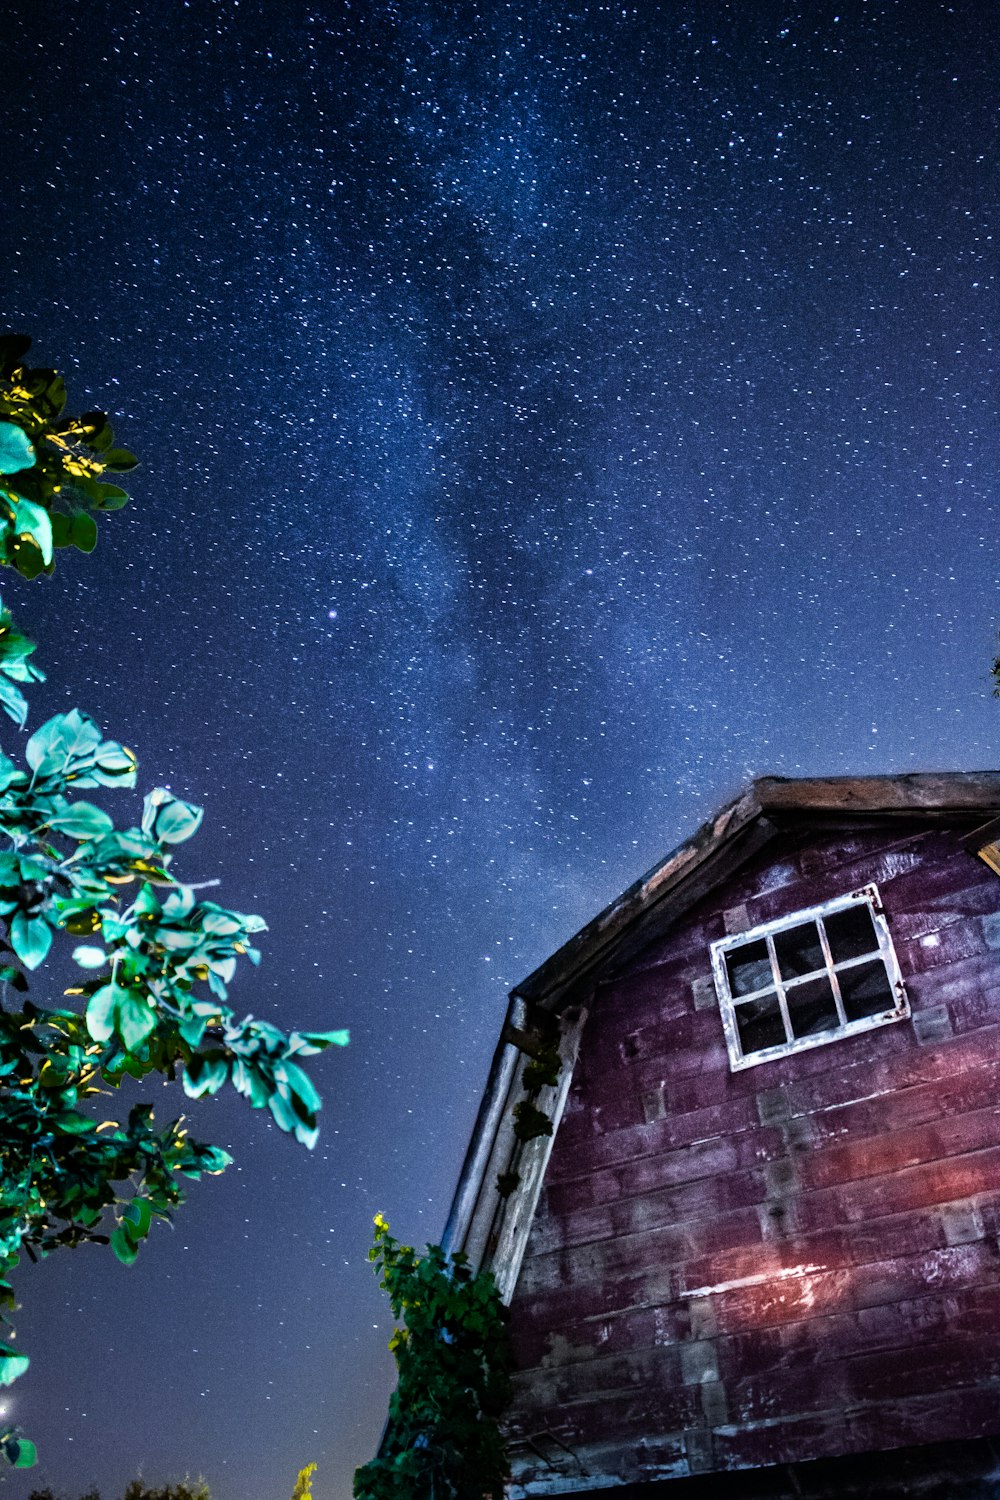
[550, 416]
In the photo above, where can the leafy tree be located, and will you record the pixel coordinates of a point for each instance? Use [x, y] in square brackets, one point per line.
[137, 1491]
[186, 1490]
[443, 1440]
[47, 1494]
[156, 958]
[50, 466]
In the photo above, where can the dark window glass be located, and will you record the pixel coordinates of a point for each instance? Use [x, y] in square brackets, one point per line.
[760, 1024]
[811, 1007]
[865, 990]
[850, 933]
[798, 951]
[749, 968]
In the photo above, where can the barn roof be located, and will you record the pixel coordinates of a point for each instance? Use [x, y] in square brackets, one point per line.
[770, 805]
[493, 1230]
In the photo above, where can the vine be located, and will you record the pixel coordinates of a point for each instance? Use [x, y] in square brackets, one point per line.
[541, 1044]
[443, 1440]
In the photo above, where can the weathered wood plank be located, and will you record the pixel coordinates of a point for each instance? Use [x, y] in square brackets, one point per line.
[742, 1274]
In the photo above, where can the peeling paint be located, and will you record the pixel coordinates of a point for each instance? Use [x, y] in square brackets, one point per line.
[758, 1280]
[846, 1103]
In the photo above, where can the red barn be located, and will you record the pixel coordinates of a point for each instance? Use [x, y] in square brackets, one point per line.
[758, 1253]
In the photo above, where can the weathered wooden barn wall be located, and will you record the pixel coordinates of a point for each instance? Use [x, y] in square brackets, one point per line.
[797, 1260]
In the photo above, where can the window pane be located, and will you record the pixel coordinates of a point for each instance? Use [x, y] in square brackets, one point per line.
[749, 968]
[798, 951]
[850, 933]
[865, 990]
[759, 1023]
[811, 1007]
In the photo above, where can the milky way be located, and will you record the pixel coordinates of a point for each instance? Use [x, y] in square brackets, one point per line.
[550, 417]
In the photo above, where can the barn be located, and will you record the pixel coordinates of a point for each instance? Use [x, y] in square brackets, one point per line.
[737, 1165]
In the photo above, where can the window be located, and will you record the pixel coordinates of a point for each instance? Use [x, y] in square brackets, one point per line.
[807, 979]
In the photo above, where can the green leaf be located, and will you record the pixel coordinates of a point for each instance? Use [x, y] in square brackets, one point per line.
[72, 1123]
[30, 938]
[61, 741]
[20, 1452]
[31, 520]
[101, 1010]
[300, 1083]
[13, 702]
[82, 820]
[205, 1074]
[90, 958]
[83, 532]
[214, 1160]
[307, 1043]
[27, 1454]
[115, 766]
[12, 1364]
[78, 916]
[124, 1246]
[55, 395]
[26, 556]
[192, 1029]
[130, 845]
[283, 1113]
[139, 1216]
[219, 923]
[179, 903]
[16, 449]
[135, 1020]
[118, 460]
[70, 746]
[94, 430]
[222, 971]
[167, 819]
[248, 1081]
[109, 496]
[15, 649]
[79, 492]
[62, 529]
[529, 1122]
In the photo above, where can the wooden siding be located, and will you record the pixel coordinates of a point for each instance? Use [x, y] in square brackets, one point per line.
[800, 1260]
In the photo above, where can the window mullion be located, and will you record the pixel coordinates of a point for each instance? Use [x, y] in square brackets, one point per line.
[780, 988]
[831, 971]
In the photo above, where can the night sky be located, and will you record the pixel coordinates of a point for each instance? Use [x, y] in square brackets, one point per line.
[550, 417]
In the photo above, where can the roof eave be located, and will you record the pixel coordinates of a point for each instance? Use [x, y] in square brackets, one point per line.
[736, 833]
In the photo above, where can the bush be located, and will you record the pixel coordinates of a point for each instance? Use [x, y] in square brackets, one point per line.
[185, 1490]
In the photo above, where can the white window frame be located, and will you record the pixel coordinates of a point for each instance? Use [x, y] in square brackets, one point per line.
[867, 896]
